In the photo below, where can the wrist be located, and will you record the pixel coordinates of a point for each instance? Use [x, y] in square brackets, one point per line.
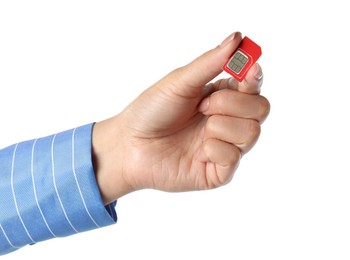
[107, 157]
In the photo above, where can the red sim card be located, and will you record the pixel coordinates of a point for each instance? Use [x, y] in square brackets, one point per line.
[246, 54]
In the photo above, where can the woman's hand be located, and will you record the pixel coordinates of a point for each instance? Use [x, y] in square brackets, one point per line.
[183, 133]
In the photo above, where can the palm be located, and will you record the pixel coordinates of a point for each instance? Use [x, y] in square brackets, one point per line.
[164, 142]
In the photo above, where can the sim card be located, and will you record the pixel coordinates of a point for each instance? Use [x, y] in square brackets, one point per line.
[247, 53]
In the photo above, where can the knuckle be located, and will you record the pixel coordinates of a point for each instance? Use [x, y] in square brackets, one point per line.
[264, 108]
[254, 130]
[177, 72]
[234, 157]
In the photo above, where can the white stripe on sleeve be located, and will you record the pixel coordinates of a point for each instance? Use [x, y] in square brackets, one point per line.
[8, 240]
[14, 195]
[34, 188]
[55, 186]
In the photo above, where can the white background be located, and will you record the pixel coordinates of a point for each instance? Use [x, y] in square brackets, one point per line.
[67, 63]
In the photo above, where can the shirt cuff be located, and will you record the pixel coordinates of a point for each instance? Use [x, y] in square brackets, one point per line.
[48, 189]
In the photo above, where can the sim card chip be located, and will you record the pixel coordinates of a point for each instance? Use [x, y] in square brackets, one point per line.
[237, 62]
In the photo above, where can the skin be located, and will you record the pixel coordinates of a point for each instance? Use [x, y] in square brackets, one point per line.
[183, 133]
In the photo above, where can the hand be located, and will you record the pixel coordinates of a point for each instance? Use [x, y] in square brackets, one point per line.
[182, 133]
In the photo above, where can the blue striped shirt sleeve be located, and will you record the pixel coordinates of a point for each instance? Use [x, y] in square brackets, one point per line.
[48, 189]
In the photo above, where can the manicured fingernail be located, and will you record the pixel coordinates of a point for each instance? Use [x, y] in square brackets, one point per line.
[232, 82]
[206, 89]
[204, 105]
[258, 73]
[230, 38]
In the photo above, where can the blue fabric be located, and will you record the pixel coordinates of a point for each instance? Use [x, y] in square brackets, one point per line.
[48, 189]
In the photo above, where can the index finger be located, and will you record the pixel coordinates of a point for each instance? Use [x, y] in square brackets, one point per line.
[252, 82]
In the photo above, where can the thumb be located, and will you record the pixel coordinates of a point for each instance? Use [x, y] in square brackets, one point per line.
[204, 68]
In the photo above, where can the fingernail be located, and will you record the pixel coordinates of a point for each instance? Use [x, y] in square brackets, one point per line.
[258, 73]
[204, 105]
[230, 38]
[232, 82]
[206, 89]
